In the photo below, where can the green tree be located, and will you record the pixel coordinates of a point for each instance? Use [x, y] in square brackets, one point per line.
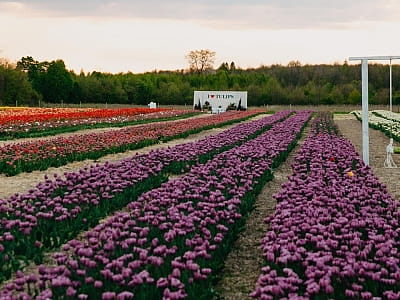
[223, 67]
[354, 97]
[36, 71]
[91, 89]
[273, 91]
[57, 82]
[15, 89]
[275, 84]
[232, 66]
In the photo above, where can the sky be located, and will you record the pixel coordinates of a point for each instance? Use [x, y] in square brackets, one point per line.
[146, 35]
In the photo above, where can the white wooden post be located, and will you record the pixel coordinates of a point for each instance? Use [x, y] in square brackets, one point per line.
[365, 134]
[390, 92]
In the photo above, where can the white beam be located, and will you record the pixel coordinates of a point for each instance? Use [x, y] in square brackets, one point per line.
[374, 57]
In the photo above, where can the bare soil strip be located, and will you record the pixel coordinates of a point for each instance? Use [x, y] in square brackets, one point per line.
[244, 262]
[351, 129]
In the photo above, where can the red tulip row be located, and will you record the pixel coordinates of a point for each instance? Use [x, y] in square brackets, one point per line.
[33, 122]
[40, 155]
[29, 114]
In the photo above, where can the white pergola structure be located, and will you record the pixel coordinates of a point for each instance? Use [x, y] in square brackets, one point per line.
[364, 80]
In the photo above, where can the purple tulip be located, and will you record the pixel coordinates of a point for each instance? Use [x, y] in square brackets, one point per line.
[108, 296]
[125, 295]
[98, 284]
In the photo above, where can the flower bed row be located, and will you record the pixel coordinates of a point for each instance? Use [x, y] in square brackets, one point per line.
[11, 107]
[40, 155]
[60, 123]
[335, 231]
[385, 122]
[172, 238]
[35, 114]
[387, 115]
[57, 210]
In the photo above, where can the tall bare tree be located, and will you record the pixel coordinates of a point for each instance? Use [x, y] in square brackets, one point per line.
[201, 60]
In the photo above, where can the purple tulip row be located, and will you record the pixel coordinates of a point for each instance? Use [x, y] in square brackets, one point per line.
[56, 210]
[171, 239]
[335, 232]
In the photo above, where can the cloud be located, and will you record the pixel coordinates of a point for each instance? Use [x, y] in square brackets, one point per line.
[234, 14]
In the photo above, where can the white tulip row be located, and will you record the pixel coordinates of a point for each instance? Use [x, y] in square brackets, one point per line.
[390, 124]
[387, 115]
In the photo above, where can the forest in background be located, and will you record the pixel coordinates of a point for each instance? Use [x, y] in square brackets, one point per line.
[29, 82]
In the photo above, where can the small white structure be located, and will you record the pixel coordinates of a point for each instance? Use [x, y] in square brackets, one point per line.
[219, 101]
[152, 105]
[389, 162]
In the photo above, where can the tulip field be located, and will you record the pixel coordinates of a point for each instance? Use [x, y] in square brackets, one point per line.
[86, 196]
[159, 225]
[53, 152]
[31, 122]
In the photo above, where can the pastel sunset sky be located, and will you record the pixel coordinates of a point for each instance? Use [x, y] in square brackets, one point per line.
[138, 36]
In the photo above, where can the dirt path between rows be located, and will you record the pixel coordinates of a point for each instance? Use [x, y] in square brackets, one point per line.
[23, 182]
[351, 129]
[243, 264]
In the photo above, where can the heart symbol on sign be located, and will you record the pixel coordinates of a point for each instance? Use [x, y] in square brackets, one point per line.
[212, 96]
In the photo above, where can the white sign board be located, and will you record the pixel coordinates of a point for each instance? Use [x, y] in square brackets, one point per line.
[219, 100]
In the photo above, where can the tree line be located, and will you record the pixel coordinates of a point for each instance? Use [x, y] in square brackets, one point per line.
[28, 82]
